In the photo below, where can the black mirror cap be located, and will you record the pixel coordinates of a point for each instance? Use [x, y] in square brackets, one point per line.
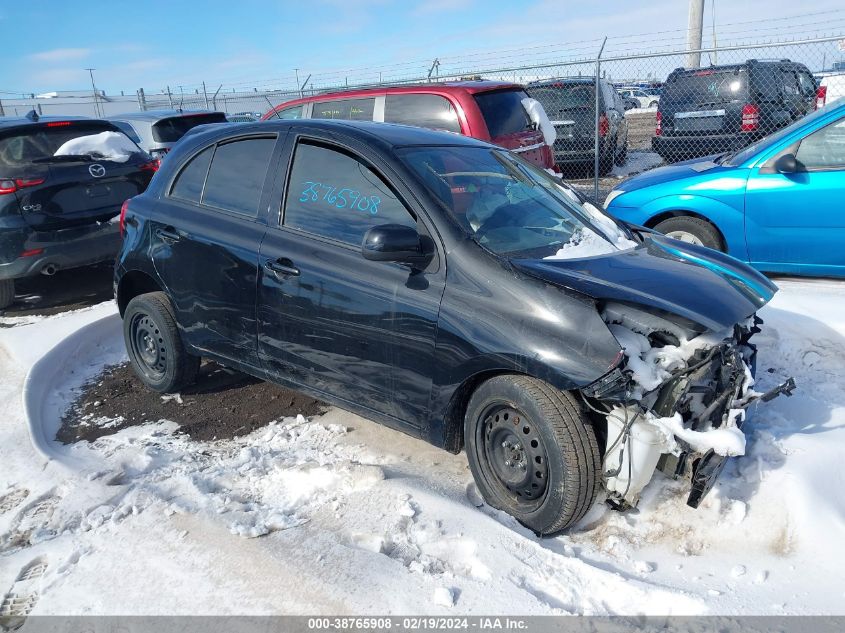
[788, 164]
[393, 243]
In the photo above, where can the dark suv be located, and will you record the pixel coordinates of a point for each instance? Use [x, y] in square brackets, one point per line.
[571, 106]
[447, 288]
[61, 182]
[724, 108]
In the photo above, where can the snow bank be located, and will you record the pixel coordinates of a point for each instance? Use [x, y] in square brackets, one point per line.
[113, 146]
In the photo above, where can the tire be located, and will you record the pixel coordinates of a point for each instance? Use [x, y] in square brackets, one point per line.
[154, 345]
[7, 293]
[606, 163]
[653, 104]
[694, 230]
[559, 445]
[622, 156]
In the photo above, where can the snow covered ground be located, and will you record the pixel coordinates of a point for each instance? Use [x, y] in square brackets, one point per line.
[339, 515]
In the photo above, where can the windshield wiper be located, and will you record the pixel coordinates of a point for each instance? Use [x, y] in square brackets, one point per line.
[65, 158]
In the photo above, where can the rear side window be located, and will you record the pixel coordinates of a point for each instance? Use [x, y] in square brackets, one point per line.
[334, 195]
[290, 113]
[503, 112]
[431, 111]
[189, 182]
[790, 83]
[347, 109]
[42, 142]
[172, 129]
[237, 173]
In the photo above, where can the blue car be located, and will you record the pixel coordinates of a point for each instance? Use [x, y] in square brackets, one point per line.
[778, 204]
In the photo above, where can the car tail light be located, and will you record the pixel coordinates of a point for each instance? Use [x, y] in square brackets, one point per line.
[548, 157]
[11, 185]
[821, 96]
[604, 125]
[658, 130]
[58, 123]
[750, 117]
[32, 252]
[152, 165]
[122, 224]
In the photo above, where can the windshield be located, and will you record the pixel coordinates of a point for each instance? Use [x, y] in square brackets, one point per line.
[45, 142]
[171, 130]
[707, 86]
[511, 207]
[564, 97]
[736, 159]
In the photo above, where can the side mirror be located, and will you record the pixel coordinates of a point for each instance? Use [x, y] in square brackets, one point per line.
[392, 243]
[787, 164]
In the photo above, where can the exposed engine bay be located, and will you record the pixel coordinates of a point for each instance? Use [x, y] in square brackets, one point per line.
[676, 403]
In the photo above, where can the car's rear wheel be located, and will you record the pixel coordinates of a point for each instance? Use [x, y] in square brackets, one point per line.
[622, 155]
[653, 104]
[155, 348]
[532, 451]
[7, 292]
[692, 230]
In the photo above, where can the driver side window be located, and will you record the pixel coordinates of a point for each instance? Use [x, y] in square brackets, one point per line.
[825, 148]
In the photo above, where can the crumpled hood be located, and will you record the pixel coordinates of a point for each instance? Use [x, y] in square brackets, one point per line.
[705, 286]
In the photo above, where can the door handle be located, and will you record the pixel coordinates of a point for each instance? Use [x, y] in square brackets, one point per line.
[168, 234]
[282, 267]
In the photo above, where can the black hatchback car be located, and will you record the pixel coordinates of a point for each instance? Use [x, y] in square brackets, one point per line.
[446, 288]
[61, 182]
[718, 109]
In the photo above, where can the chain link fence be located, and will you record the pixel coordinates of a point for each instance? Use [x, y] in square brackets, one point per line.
[615, 114]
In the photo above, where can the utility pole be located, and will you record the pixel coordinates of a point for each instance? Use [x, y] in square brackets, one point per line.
[713, 23]
[695, 28]
[94, 88]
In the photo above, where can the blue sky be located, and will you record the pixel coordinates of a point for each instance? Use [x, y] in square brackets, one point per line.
[153, 43]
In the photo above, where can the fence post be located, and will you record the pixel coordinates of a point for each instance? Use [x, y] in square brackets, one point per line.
[170, 97]
[142, 99]
[2, 113]
[205, 94]
[596, 139]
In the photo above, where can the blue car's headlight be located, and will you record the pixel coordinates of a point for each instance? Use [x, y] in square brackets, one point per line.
[610, 197]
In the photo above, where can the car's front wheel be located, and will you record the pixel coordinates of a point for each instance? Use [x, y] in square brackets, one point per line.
[155, 348]
[532, 451]
[692, 230]
[7, 293]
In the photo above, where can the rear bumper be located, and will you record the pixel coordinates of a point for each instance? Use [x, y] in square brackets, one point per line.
[66, 248]
[578, 155]
[695, 146]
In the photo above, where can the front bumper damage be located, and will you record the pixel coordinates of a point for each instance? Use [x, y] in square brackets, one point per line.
[677, 403]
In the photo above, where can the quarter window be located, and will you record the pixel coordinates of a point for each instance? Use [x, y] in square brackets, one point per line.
[290, 113]
[237, 173]
[421, 110]
[334, 195]
[189, 182]
[824, 149]
[347, 109]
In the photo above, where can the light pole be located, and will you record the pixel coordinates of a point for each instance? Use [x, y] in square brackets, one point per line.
[94, 88]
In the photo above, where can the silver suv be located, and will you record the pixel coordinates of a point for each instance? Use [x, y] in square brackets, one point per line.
[157, 131]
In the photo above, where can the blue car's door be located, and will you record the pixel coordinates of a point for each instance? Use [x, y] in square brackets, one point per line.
[795, 222]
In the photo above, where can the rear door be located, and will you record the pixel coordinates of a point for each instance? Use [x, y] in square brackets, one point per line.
[705, 102]
[798, 219]
[205, 235]
[571, 108]
[78, 172]
[328, 319]
[510, 126]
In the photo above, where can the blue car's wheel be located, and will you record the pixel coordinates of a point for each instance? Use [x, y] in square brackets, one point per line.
[692, 230]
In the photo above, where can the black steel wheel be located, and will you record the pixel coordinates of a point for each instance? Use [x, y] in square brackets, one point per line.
[154, 345]
[532, 451]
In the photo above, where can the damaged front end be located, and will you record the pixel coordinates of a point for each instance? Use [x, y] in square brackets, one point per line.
[676, 402]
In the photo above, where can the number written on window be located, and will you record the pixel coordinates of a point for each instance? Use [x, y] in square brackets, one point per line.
[342, 198]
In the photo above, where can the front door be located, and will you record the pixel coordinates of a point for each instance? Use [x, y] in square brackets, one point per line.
[204, 244]
[359, 331]
[796, 222]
